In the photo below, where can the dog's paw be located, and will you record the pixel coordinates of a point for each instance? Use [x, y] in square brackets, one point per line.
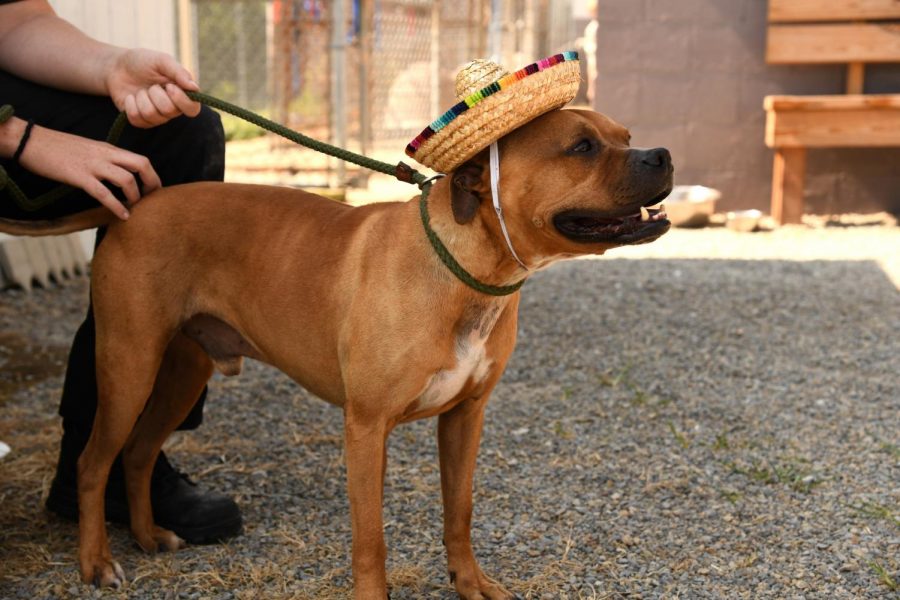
[103, 573]
[158, 540]
[167, 541]
[479, 587]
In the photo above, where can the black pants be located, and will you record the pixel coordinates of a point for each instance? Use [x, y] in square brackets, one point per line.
[181, 151]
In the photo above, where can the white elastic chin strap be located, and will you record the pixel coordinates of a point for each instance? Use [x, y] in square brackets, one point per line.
[495, 196]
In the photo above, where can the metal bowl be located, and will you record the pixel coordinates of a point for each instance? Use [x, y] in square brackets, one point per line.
[691, 205]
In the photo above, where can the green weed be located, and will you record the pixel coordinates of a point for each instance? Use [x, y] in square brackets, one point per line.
[884, 577]
[892, 449]
[877, 511]
[730, 495]
[613, 380]
[682, 439]
[721, 442]
[791, 475]
[560, 431]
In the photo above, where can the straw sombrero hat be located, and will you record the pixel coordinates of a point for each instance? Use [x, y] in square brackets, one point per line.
[492, 103]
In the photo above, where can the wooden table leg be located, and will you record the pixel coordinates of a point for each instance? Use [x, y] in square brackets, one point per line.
[788, 177]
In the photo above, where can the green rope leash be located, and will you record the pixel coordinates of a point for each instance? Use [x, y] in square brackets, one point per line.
[451, 263]
[401, 171]
[398, 171]
[59, 192]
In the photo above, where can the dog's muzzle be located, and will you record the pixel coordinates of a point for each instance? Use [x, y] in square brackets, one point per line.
[640, 220]
[592, 227]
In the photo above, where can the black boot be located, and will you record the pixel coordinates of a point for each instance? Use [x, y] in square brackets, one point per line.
[195, 515]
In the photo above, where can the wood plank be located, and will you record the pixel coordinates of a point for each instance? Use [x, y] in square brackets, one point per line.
[822, 44]
[862, 128]
[856, 78]
[788, 181]
[833, 102]
[794, 11]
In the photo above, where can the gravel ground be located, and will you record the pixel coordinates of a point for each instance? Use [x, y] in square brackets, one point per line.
[716, 415]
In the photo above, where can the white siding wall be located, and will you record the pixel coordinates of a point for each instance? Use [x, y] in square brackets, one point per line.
[130, 23]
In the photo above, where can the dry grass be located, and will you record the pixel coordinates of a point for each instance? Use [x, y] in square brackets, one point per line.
[591, 471]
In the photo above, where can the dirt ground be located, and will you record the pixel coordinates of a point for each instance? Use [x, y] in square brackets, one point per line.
[714, 415]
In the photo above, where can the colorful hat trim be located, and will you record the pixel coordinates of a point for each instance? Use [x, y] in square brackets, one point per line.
[473, 99]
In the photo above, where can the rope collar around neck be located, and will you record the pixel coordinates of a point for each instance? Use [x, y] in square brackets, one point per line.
[451, 263]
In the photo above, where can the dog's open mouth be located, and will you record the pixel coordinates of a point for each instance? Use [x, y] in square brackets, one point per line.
[591, 227]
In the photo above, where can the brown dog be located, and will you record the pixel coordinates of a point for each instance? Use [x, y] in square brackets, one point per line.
[353, 304]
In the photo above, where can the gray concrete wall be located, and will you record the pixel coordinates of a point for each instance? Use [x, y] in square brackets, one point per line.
[691, 75]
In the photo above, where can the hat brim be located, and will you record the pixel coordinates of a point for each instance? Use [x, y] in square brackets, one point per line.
[492, 112]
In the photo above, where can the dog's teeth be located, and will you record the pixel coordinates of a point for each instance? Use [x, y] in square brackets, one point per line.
[645, 214]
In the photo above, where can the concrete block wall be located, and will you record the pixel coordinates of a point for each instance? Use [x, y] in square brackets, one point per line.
[691, 75]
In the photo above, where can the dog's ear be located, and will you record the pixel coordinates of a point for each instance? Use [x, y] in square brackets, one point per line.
[466, 187]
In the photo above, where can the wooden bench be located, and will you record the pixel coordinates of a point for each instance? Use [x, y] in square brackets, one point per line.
[854, 32]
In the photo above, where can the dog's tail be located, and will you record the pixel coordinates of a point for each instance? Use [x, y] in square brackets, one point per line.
[88, 219]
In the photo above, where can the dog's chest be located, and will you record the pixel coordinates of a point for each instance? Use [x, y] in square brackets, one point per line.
[472, 363]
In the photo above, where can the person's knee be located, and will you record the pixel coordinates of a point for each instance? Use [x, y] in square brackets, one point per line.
[210, 138]
[190, 149]
[208, 124]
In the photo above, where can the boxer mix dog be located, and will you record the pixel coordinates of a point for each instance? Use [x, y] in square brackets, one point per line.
[353, 304]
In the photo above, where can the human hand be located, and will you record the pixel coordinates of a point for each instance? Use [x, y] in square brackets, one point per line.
[86, 164]
[149, 86]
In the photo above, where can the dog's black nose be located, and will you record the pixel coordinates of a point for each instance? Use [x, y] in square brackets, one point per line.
[657, 157]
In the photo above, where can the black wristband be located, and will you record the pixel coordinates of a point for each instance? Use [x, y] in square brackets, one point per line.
[23, 141]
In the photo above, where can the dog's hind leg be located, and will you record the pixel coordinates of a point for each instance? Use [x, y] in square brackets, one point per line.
[126, 367]
[184, 371]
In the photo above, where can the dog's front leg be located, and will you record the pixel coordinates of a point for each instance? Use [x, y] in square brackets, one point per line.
[459, 434]
[365, 439]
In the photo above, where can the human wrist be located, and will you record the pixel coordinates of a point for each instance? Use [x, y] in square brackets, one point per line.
[108, 64]
[23, 141]
[11, 133]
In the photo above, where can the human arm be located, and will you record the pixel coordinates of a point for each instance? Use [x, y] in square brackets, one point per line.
[80, 162]
[37, 45]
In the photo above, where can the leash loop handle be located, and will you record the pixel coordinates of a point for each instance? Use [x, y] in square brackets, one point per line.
[62, 190]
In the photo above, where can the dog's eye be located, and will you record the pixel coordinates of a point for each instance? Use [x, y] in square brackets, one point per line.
[585, 146]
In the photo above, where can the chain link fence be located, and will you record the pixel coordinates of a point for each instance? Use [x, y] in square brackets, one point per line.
[362, 74]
